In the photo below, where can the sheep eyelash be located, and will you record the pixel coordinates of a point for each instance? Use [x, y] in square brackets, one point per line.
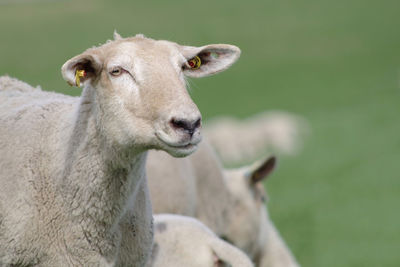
[122, 72]
[120, 69]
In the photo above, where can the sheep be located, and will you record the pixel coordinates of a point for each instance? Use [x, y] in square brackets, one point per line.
[181, 241]
[73, 188]
[261, 240]
[230, 202]
[276, 131]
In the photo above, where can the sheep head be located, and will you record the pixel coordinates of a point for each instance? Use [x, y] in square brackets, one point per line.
[139, 89]
[247, 230]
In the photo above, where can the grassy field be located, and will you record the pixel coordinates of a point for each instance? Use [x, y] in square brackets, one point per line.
[337, 63]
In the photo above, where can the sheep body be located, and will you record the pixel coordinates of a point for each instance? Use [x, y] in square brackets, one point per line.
[179, 197]
[181, 241]
[272, 131]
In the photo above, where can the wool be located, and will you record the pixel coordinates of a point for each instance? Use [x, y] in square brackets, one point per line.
[184, 241]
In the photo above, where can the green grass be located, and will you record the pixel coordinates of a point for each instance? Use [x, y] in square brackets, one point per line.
[337, 63]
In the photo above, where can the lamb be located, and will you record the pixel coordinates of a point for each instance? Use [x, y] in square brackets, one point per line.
[181, 241]
[73, 189]
[230, 202]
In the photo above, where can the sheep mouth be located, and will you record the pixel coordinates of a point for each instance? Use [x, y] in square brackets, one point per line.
[178, 148]
[180, 151]
[182, 146]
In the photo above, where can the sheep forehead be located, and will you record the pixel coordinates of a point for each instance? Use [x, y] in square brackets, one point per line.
[121, 54]
[161, 54]
[150, 50]
[144, 56]
[240, 188]
[237, 181]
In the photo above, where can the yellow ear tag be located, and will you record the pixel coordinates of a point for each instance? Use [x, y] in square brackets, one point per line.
[195, 62]
[78, 75]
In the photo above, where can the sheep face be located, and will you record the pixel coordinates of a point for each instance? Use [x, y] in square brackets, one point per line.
[139, 90]
[248, 226]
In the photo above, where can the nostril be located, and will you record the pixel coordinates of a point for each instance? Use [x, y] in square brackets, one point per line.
[185, 125]
[197, 124]
[179, 124]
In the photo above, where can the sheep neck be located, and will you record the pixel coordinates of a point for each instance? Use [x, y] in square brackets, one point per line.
[98, 191]
[210, 182]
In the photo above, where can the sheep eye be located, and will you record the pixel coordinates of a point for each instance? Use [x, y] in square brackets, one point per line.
[116, 72]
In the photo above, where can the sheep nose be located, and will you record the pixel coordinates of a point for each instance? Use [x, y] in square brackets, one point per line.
[186, 125]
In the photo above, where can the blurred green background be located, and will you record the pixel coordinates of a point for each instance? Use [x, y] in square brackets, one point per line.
[337, 63]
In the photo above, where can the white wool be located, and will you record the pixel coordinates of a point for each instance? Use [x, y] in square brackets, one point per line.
[181, 241]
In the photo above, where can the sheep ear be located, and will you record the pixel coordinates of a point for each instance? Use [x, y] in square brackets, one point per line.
[208, 60]
[262, 171]
[87, 64]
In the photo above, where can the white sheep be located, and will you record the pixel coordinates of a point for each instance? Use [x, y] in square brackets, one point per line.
[73, 190]
[181, 241]
[230, 202]
[250, 228]
[272, 131]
